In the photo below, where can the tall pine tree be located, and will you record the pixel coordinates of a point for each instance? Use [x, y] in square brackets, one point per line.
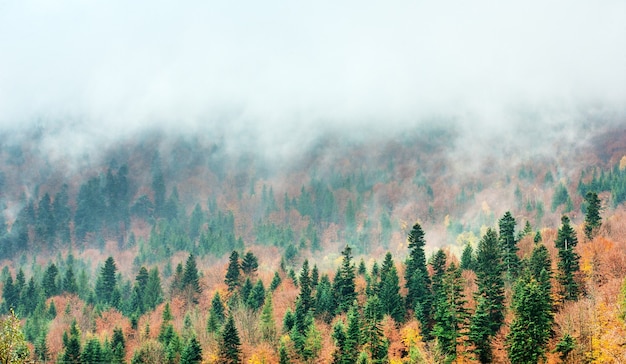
[568, 266]
[417, 280]
[229, 346]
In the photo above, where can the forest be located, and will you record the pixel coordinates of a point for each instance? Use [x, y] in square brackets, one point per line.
[172, 249]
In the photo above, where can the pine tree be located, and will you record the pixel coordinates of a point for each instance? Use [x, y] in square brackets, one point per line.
[373, 337]
[106, 285]
[232, 279]
[467, 258]
[69, 281]
[71, 345]
[92, 353]
[249, 264]
[417, 280]
[118, 346]
[49, 283]
[353, 334]
[450, 316]
[344, 286]
[324, 301]
[229, 351]
[275, 282]
[191, 281]
[508, 245]
[389, 293]
[531, 327]
[592, 217]
[267, 324]
[153, 293]
[192, 353]
[568, 266]
[339, 335]
[257, 296]
[489, 313]
[10, 294]
[216, 314]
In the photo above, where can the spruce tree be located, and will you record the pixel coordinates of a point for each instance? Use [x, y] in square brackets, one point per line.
[568, 266]
[216, 314]
[257, 296]
[417, 280]
[592, 216]
[373, 337]
[249, 264]
[106, 283]
[71, 345]
[275, 282]
[229, 346]
[118, 346]
[192, 353]
[49, 283]
[92, 353]
[531, 327]
[267, 324]
[153, 294]
[69, 281]
[489, 313]
[508, 245]
[344, 286]
[389, 293]
[467, 258]
[191, 281]
[232, 278]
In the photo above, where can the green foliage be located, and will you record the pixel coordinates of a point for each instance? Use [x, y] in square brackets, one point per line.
[118, 346]
[49, 283]
[249, 264]
[489, 313]
[372, 335]
[566, 344]
[106, 284]
[561, 197]
[275, 282]
[592, 216]
[217, 314]
[71, 345]
[267, 324]
[508, 245]
[344, 286]
[233, 273]
[417, 280]
[390, 299]
[229, 345]
[190, 282]
[531, 327]
[192, 352]
[468, 260]
[568, 265]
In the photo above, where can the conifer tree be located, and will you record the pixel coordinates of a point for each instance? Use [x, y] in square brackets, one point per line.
[592, 216]
[118, 346]
[508, 245]
[49, 283]
[192, 353]
[324, 301]
[467, 258]
[249, 264]
[257, 296]
[69, 281]
[568, 266]
[106, 285]
[232, 279]
[229, 346]
[417, 280]
[10, 294]
[344, 286]
[489, 313]
[71, 345]
[353, 334]
[450, 316]
[275, 282]
[339, 335]
[373, 337]
[153, 293]
[531, 327]
[267, 324]
[191, 281]
[390, 299]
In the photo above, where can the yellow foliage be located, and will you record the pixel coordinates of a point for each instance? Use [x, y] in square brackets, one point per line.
[467, 237]
[486, 208]
[411, 334]
[622, 163]
[446, 221]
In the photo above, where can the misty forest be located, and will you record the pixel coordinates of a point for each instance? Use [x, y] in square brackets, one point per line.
[316, 182]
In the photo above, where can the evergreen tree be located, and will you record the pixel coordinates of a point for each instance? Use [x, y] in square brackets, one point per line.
[267, 324]
[417, 280]
[153, 293]
[118, 346]
[229, 347]
[92, 353]
[249, 264]
[257, 296]
[450, 316]
[106, 285]
[10, 294]
[324, 301]
[275, 282]
[49, 283]
[192, 353]
[339, 335]
[373, 337]
[216, 314]
[353, 334]
[592, 217]
[489, 313]
[71, 345]
[245, 291]
[508, 245]
[344, 286]
[568, 266]
[531, 327]
[191, 281]
[232, 279]
[390, 298]
[467, 258]
[69, 281]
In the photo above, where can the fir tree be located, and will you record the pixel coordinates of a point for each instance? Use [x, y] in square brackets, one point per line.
[92, 353]
[232, 279]
[390, 298]
[267, 324]
[192, 353]
[216, 314]
[467, 258]
[568, 266]
[191, 281]
[344, 287]
[71, 345]
[153, 293]
[417, 280]
[69, 281]
[489, 313]
[324, 301]
[229, 346]
[49, 283]
[249, 264]
[257, 296]
[275, 282]
[508, 245]
[118, 346]
[373, 337]
[592, 216]
[106, 285]
[531, 327]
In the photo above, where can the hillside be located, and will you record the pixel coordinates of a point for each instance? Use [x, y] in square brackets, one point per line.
[170, 207]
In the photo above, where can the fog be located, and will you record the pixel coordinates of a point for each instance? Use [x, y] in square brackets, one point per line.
[279, 73]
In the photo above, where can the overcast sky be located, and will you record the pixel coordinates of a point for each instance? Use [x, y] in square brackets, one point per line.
[275, 64]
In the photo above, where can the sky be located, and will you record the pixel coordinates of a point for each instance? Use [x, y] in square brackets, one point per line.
[288, 68]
